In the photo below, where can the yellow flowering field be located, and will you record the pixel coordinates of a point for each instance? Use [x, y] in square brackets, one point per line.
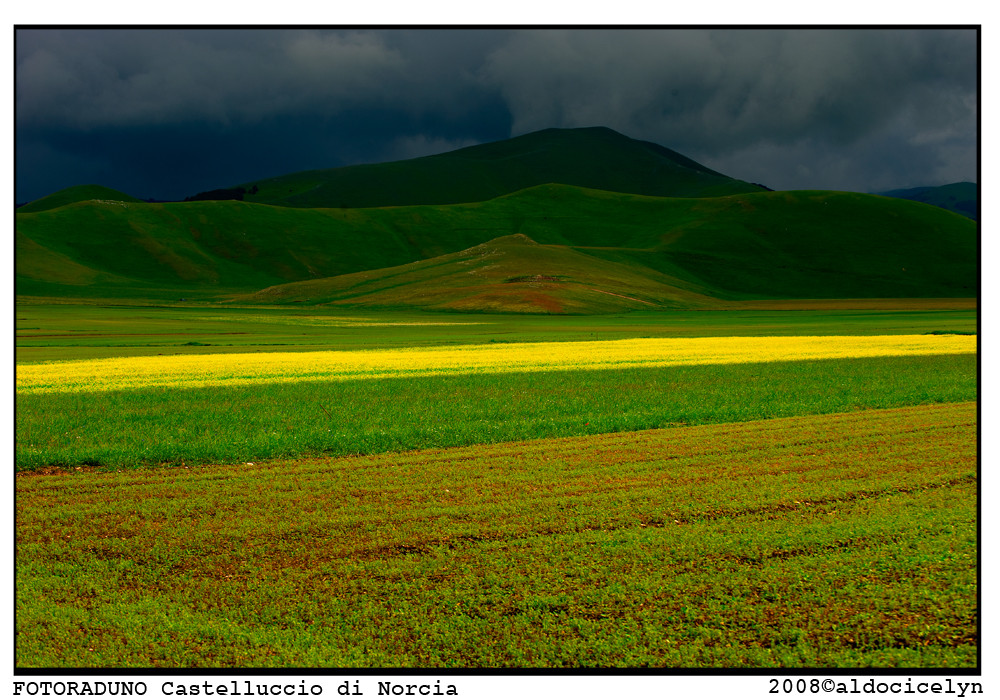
[188, 371]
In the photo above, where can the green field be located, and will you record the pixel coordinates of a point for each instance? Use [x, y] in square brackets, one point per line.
[846, 540]
[766, 514]
[67, 331]
[248, 423]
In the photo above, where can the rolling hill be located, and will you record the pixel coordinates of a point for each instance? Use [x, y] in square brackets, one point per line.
[762, 245]
[595, 157]
[510, 273]
[959, 197]
[78, 193]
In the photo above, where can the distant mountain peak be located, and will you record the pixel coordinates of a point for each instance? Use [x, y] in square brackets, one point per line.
[959, 197]
[593, 157]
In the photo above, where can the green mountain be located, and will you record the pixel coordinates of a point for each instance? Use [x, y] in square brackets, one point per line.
[959, 197]
[596, 157]
[509, 274]
[750, 246]
[79, 193]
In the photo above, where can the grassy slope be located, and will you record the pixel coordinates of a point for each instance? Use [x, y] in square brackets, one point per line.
[823, 244]
[762, 245]
[960, 197]
[79, 193]
[512, 273]
[593, 157]
[205, 246]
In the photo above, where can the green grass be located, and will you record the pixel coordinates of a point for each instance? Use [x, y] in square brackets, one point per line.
[761, 246]
[507, 274]
[68, 331]
[124, 429]
[833, 541]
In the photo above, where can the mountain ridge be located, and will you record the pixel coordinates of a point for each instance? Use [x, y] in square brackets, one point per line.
[612, 243]
[591, 157]
[959, 197]
[765, 245]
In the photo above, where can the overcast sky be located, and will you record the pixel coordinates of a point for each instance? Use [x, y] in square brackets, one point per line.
[168, 113]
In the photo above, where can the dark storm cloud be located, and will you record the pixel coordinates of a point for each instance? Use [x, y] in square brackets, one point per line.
[165, 113]
[92, 79]
[199, 109]
[715, 94]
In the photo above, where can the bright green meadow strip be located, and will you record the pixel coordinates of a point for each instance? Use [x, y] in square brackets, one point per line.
[253, 422]
[821, 541]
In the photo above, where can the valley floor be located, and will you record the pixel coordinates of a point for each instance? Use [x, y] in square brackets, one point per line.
[486, 491]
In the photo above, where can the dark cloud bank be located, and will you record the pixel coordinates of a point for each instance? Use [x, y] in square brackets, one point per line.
[166, 113]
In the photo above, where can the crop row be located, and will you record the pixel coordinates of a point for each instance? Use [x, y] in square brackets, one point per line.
[845, 540]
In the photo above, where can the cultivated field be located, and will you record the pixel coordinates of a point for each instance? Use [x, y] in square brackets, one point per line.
[210, 486]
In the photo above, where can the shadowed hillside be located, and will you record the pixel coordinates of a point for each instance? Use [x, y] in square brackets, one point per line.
[596, 157]
[959, 197]
[768, 245]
